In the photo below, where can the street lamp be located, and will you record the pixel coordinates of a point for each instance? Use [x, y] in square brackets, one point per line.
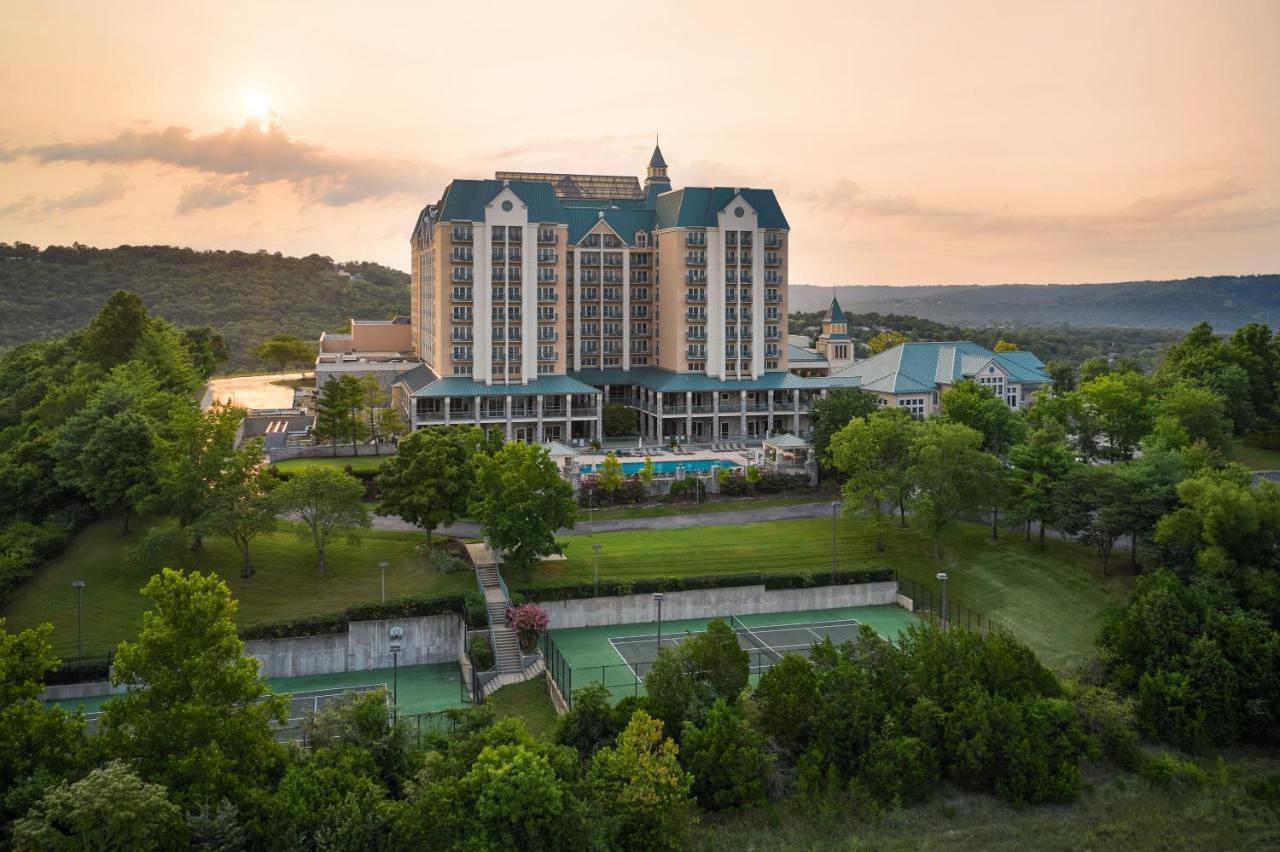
[657, 596]
[835, 508]
[382, 571]
[942, 578]
[397, 633]
[78, 585]
[596, 548]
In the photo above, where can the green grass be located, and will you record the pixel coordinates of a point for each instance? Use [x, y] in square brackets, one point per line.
[1116, 811]
[1052, 600]
[666, 510]
[286, 584]
[528, 701]
[360, 464]
[1252, 452]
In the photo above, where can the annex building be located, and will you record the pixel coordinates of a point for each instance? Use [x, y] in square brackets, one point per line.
[537, 298]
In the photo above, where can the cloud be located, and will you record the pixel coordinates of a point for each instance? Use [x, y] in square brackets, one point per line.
[110, 187]
[246, 158]
[1213, 207]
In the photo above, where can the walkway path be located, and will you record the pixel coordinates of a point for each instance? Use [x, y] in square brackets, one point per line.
[668, 522]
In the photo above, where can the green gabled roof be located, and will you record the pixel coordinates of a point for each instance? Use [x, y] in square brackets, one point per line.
[699, 207]
[800, 355]
[1023, 366]
[624, 222]
[667, 381]
[465, 200]
[463, 386]
[923, 366]
[786, 441]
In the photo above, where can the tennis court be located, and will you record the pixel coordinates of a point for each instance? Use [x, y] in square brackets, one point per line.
[620, 655]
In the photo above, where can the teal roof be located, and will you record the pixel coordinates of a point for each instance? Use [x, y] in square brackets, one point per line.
[699, 206]
[465, 200]
[417, 378]
[834, 314]
[667, 381]
[625, 223]
[922, 367]
[656, 161]
[463, 386]
[786, 441]
[800, 355]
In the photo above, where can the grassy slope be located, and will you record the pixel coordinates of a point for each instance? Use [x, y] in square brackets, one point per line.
[1052, 600]
[1255, 455]
[1116, 811]
[528, 701]
[666, 510]
[368, 463]
[286, 583]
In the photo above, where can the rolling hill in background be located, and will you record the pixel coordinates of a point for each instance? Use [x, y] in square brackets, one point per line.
[1225, 302]
[244, 296]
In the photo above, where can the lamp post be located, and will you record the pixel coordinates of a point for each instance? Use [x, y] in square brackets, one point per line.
[382, 571]
[396, 634]
[591, 501]
[78, 585]
[596, 548]
[657, 596]
[835, 507]
[942, 578]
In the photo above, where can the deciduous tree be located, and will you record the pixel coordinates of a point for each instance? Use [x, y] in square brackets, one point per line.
[830, 415]
[948, 468]
[640, 790]
[281, 350]
[521, 502]
[326, 501]
[239, 504]
[431, 479]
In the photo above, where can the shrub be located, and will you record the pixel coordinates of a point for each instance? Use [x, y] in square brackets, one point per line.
[1169, 709]
[1167, 770]
[1109, 720]
[446, 561]
[475, 610]
[481, 653]
[899, 769]
[591, 722]
[337, 622]
[649, 585]
[726, 759]
[529, 621]
[785, 700]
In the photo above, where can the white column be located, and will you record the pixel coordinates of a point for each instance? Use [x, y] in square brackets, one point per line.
[757, 305]
[447, 420]
[509, 398]
[568, 416]
[537, 402]
[577, 308]
[626, 308]
[477, 403]
[660, 421]
[796, 430]
[482, 305]
[529, 306]
[715, 415]
[715, 304]
[769, 424]
[688, 414]
[742, 428]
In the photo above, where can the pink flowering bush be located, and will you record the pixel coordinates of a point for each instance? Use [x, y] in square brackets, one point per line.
[529, 621]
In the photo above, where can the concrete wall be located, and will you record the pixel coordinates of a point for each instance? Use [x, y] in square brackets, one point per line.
[69, 691]
[278, 454]
[709, 603]
[427, 639]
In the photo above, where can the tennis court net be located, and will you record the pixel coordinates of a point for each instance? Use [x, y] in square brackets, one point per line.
[744, 631]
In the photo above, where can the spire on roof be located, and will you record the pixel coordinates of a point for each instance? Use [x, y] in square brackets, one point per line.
[834, 314]
[656, 161]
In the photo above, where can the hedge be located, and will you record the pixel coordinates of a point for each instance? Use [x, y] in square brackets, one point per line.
[611, 588]
[336, 622]
[80, 670]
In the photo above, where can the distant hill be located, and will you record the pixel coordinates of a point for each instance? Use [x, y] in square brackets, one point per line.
[245, 296]
[1225, 302]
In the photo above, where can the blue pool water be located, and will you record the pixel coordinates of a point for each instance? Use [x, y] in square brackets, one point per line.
[669, 467]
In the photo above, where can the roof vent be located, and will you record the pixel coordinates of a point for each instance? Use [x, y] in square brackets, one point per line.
[599, 214]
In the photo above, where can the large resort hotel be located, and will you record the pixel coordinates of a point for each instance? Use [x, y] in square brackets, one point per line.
[539, 298]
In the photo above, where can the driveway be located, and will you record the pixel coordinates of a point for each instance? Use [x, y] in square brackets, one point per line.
[670, 522]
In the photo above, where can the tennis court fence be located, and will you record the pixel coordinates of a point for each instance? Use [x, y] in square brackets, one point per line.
[926, 600]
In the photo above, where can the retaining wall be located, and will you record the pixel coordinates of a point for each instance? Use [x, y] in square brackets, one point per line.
[278, 454]
[365, 645]
[709, 603]
[69, 691]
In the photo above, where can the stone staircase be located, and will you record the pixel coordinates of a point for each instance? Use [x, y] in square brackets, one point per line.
[506, 645]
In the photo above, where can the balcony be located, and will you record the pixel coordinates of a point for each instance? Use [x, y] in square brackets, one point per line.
[547, 237]
[585, 411]
[696, 259]
[696, 298]
[772, 258]
[548, 257]
[461, 275]
[461, 235]
[547, 295]
[695, 277]
[773, 241]
[695, 238]
[772, 296]
[552, 410]
[462, 256]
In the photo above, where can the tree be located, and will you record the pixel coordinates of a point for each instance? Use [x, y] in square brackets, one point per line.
[640, 790]
[115, 331]
[886, 340]
[1123, 406]
[1089, 504]
[872, 452]
[338, 407]
[716, 657]
[726, 759]
[115, 466]
[837, 410]
[1063, 376]
[191, 455]
[521, 503]
[1257, 352]
[207, 349]
[785, 700]
[281, 350]
[197, 718]
[1004, 346]
[970, 404]
[647, 472]
[1199, 412]
[1204, 359]
[619, 420]
[162, 349]
[372, 396]
[590, 722]
[1092, 368]
[326, 501]
[391, 423]
[1039, 464]
[430, 480]
[947, 468]
[609, 477]
[110, 808]
[239, 504]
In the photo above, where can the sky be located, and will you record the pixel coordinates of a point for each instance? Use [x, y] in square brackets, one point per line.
[908, 142]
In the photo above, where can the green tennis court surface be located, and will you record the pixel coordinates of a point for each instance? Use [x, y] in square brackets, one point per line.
[619, 655]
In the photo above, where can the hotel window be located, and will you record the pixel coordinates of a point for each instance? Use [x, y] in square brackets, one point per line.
[613, 293]
[771, 314]
[639, 276]
[913, 405]
[498, 233]
[546, 275]
[640, 294]
[460, 370]
[642, 239]
[462, 273]
[731, 276]
[590, 310]
[462, 233]
[461, 314]
[546, 235]
[462, 353]
[546, 314]
[546, 369]
[546, 294]
[462, 294]
[613, 329]
[639, 328]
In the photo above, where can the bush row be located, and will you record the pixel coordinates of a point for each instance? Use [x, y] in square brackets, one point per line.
[25, 545]
[326, 623]
[610, 588]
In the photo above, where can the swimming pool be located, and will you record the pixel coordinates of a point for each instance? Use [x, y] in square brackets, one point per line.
[668, 468]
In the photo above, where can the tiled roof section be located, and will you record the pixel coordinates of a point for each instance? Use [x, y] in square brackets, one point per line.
[417, 378]
[801, 355]
[545, 385]
[672, 382]
[699, 206]
[465, 200]
[920, 367]
[599, 187]
[625, 223]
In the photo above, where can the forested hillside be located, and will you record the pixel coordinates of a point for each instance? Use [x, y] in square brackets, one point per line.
[1225, 302]
[245, 296]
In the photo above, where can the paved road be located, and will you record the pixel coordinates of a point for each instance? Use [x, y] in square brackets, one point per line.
[670, 522]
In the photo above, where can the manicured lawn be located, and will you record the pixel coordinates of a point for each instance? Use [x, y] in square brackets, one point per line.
[361, 464]
[1254, 454]
[286, 583]
[528, 701]
[666, 510]
[1053, 600]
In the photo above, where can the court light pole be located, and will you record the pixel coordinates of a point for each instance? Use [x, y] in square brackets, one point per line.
[78, 585]
[942, 578]
[835, 507]
[657, 596]
[396, 634]
[382, 571]
[596, 548]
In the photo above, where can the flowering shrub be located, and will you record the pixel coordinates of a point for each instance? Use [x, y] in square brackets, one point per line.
[529, 621]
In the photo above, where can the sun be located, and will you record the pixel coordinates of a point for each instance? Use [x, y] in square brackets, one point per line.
[257, 106]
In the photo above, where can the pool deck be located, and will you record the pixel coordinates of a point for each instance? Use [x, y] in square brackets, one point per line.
[659, 454]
